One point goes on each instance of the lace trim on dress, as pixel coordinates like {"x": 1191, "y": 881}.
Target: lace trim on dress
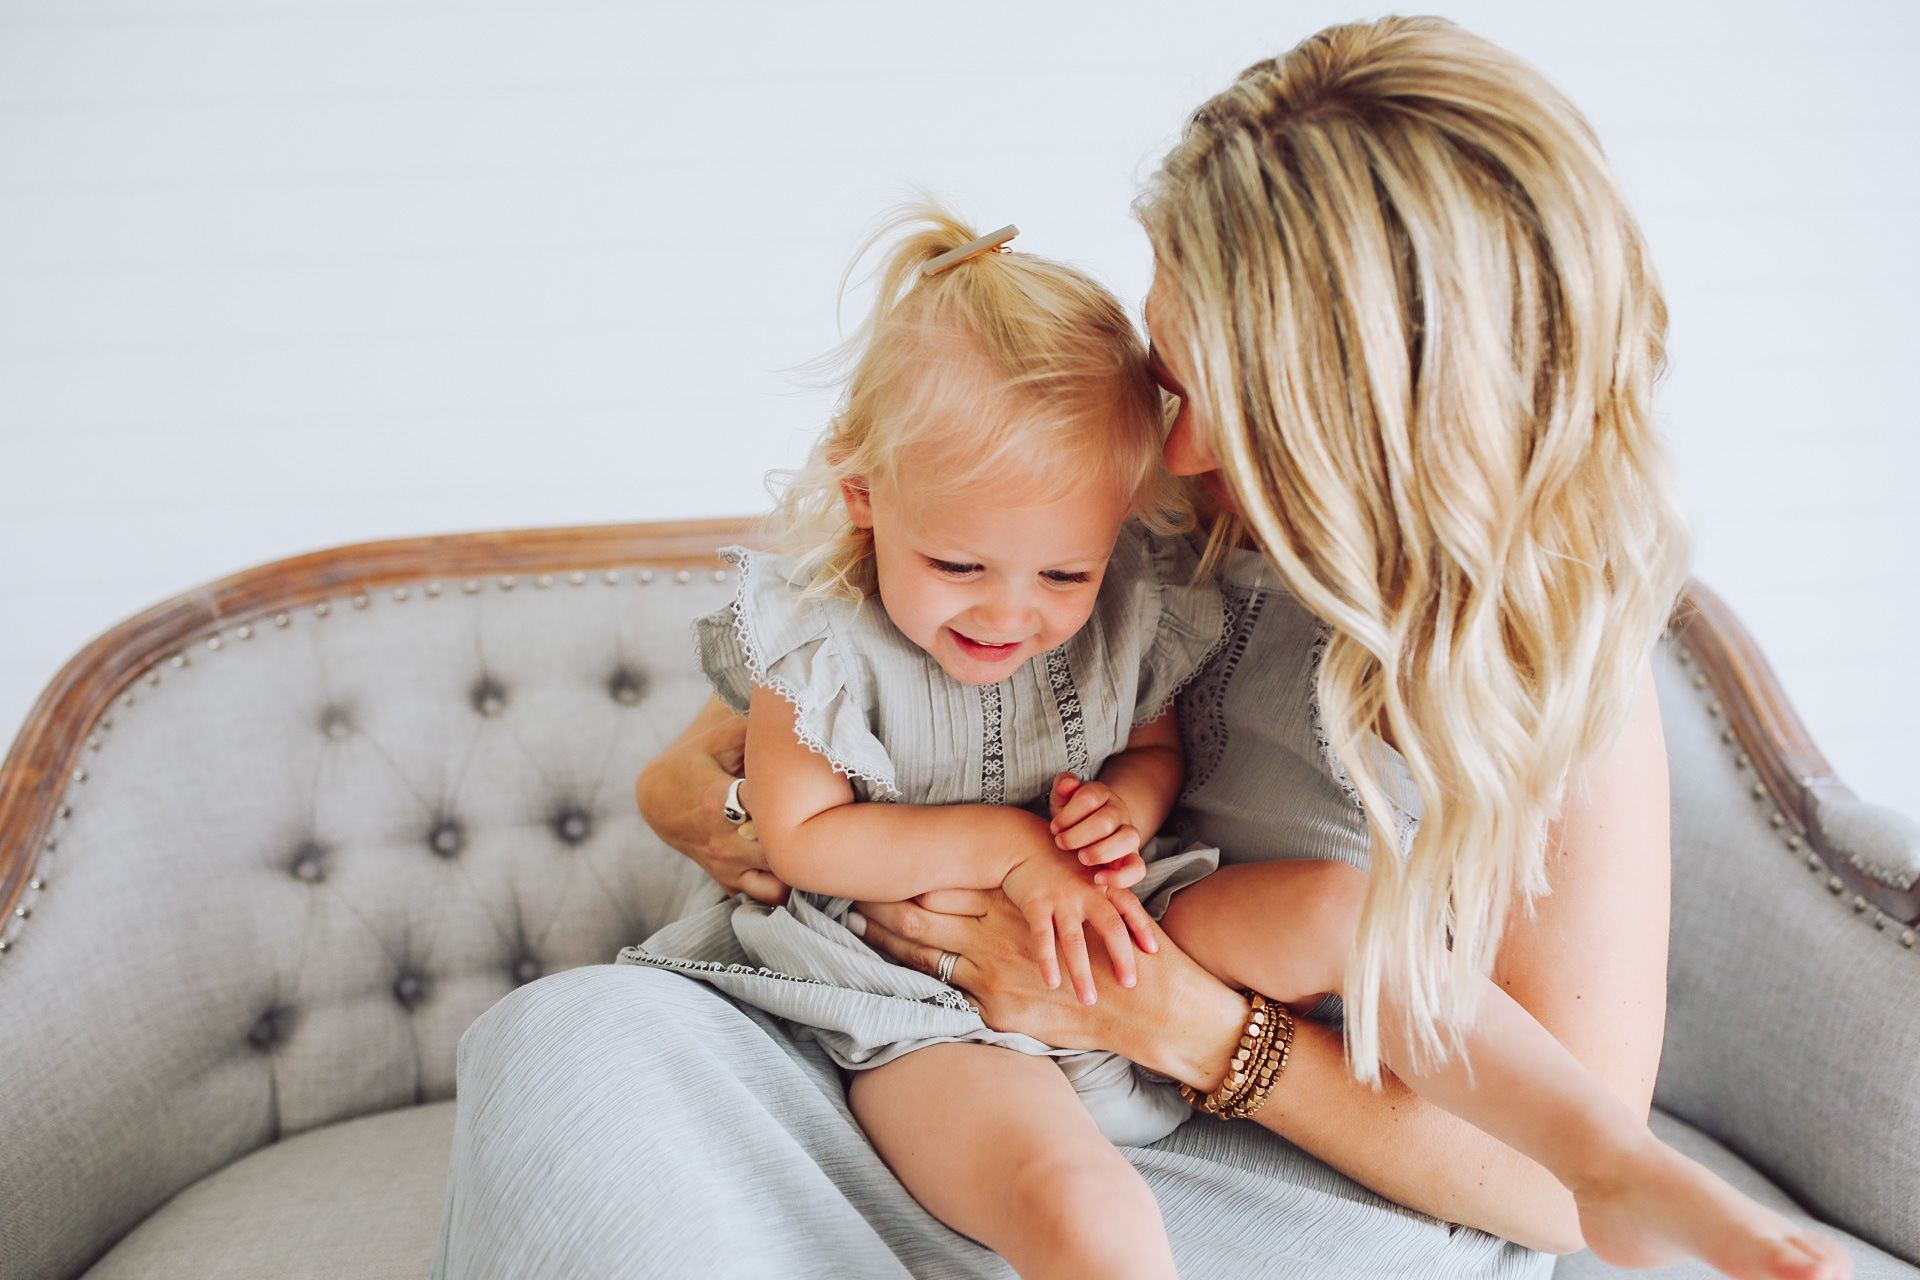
{"x": 993, "y": 748}
{"x": 1228, "y": 619}
{"x": 1203, "y": 720}
{"x": 1073, "y": 722}
{"x": 948, "y": 999}
{"x": 757, "y": 668}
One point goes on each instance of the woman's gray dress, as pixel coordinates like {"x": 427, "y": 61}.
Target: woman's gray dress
{"x": 621, "y": 1121}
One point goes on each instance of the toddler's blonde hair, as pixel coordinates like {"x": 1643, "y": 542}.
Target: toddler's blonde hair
{"x": 1067, "y": 395}
{"x": 1425, "y": 330}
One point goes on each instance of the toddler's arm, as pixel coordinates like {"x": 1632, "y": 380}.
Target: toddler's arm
{"x": 818, "y": 839}
{"x": 1107, "y": 820}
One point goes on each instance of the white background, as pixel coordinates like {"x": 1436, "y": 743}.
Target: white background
{"x": 281, "y": 274}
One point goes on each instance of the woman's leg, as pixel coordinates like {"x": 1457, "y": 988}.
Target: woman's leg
{"x": 997, "y": 1146}
{"x": 1641, "y": 1203}
{"x": 617, "y": 1121}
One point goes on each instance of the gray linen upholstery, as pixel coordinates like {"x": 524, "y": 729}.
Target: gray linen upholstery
{"x": 358, "y": 1200}
{"x": 1793, "y": 1027}
{"x": 300, "y": 864}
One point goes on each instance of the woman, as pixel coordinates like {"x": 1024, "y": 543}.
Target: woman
{"x": 1413, "y": 330}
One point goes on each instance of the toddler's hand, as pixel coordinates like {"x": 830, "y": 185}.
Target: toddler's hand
{"x": 1060, "y": 901}
{"x": 1092, "y": 819}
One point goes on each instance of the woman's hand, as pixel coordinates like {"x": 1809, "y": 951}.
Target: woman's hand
{"x": 680, "y": 794}
{"x": 1178, "y": 1020}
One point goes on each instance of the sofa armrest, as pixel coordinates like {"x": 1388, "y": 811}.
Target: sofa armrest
{"x": 1793, "y": 1027}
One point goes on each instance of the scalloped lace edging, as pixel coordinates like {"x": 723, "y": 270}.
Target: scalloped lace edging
{"x": 948, "y": 999}
{"x": 1227, "y": 624}
{"x": 757, "y": 668}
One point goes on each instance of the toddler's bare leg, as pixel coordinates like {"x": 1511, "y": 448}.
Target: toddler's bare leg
{"x": 1285, "y": 928}
{"x": 996, "y": 1145}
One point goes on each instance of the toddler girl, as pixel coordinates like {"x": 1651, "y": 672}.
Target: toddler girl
{"x": 978, "y": 616}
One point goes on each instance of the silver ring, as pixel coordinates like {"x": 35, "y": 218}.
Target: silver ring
{"x": 945, "y": 971}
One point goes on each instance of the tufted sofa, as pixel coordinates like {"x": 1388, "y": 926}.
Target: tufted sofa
{"x": 267, "y": 849}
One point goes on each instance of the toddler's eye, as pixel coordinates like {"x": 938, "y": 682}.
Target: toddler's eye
{"x": 952, "y": 569}
{"x": 1060, "y": 577}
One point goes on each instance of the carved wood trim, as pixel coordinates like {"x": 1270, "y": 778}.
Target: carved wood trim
{"x": 52, "y": 743}
{"x": 1791, "y": 772}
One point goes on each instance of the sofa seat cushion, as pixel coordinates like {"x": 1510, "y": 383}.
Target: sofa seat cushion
{"x": 358, "y": 1200}
{"x": 1869, "y": 1263}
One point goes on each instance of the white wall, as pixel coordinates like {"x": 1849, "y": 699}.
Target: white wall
{"x": 279, "y": 274}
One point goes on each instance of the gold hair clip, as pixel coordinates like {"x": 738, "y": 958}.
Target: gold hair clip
{"x": 991, "y": 242}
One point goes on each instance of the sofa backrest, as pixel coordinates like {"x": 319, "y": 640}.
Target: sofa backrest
{"x": 301, "y": 855}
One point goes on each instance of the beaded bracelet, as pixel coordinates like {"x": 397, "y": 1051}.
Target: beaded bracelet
{"x": 1257, "y": 1062}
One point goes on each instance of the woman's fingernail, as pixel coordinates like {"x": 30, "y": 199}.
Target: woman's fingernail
{"x": 1128, "y": 981}
{"x": 857, "y": 923}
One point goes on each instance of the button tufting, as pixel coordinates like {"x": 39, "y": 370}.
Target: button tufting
{"x": 270, "y": 1028}
{"x": 447, "y": 838}
{"x": 525, "y": 970}
{"x": 488, "y": 696}
{"x": 308, "y": 863}
{"x": 572, "y": 825}
{"x": 410, "y": 989}
{"x": 627, "y": 686}
{"x": 335, "y": 723}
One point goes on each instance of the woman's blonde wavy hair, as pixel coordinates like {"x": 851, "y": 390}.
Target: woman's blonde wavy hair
{"x": 1424, "y": 329}
{"x": 1008, "y": 368}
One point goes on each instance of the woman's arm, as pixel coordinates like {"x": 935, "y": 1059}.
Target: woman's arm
{"x": 1588, "y": 961}
{"x": 680, "y": 793}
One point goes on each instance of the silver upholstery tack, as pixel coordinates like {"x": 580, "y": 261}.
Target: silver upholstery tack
{"x": 544, "y": 581}
{"x": 213, "y": 642}
{"x": 577, "y": 579}
{"x": 360, "y": 601}
{"x": 1859, "y": 903}
{"x": 1683, "y": 655}
{"x": 401, "y": 593}
{"x": 1759, "y": 791}
{"x": 683, "y": 576}
{"x": 1777, "y": 819}
{"x": 178, "y": 660}
{"x": 719, "y": 575}
{"x": 645, "y": 576}
{"x": 433, "y": 589}
{"x": 1700, "y": 681}
{"x": 153, "y": 676}
{"x": 79, "y": 775}
{"x": 470, "y": 586}
{"x": 244, "y": 632}
{"x": 612, "y": 577}
{"x": 1714, "y": 708}
{"x": 1835, "y": 884}
{"x": 507, "y": 583}
{"x": 322, "y": 609}
{"x": 281, "y": 620}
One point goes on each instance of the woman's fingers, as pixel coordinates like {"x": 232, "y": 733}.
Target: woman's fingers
{"x": 914, "y": 955}
{"x": 1124, "y": 874}
{"x": 1118, "y": 843}
{"x": 761, "y": 885}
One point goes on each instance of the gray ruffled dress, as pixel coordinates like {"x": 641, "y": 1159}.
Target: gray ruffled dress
{"x": 882, "y": 711}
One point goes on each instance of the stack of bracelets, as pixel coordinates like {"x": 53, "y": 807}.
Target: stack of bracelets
{"x": 1257, "y": 1062}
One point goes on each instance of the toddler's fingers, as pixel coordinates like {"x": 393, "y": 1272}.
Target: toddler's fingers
{"x": 1073, "y": 946}
{"x": 1043, "y": 951}
{"x": 1088, "y": 798}
{"x": 1124, "y": 874}
{"x": 1117, "y": 844}
{"x": 1064, "y": 785}
{"x": 1104, "y": 822}
{"x": 1113, "y": 931}
{"x": 1139, "y": 921}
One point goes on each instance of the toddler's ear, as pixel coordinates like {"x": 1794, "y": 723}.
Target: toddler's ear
{"x": 859, "y": 501}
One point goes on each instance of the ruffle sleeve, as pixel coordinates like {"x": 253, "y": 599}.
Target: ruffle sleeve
{"x": 1191, "y": 626}
{"x": 770, "y": 635}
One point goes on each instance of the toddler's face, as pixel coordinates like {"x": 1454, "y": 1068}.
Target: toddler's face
{"x": 982, "y": 581}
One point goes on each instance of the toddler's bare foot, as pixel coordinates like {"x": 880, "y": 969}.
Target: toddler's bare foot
{"x": 1659, "y": 1208}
